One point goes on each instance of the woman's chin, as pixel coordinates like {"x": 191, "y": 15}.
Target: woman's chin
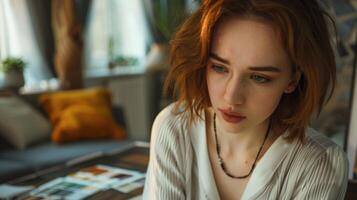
{"x": 233, "y": 127}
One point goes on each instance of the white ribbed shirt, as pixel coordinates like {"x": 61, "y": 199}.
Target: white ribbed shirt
{"x": 179, "y": 166}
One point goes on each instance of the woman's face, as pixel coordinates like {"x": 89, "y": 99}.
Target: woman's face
{"x": 247, "y": 73}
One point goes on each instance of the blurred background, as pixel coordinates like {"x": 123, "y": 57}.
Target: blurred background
{"x": 123, "y": 45}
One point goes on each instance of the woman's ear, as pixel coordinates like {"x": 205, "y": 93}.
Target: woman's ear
{"x": 293, "y": 83}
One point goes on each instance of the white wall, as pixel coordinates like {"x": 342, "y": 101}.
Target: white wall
{"x": 138, "y": 94}
{"x": 131, "y": 94}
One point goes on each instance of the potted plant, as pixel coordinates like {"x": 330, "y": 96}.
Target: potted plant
{"x": 13, "y": 68}
{"x": 165, "y": 16}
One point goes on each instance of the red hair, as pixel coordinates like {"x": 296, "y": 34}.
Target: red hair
{"x": 303, "y": 28}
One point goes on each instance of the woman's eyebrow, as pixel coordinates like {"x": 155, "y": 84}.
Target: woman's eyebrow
{"x": 216, "y": 57}
{"x": 265, "y": 68}
{"x": 253, "y": 68}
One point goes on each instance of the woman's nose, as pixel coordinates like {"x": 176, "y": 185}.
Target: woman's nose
{"x": 235, "y": 91}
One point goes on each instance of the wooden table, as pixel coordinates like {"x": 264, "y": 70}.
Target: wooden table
{"x": 135, "y": 157}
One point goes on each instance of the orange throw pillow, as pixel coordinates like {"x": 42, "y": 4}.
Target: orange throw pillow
{"x": 81, "y": 114}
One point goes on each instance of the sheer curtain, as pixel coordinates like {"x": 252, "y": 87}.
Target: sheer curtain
{"x": 17, "y": 38}
{"x": 116, "y": 28}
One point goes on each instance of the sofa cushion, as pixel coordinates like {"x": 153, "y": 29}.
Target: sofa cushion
{"x": 81, "y": 114}
{"x": 20, "y": 124}
{"x": 10, "y": 169}
{"x": 49, "y": 154}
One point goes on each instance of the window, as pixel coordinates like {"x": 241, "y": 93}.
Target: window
{"x": 18, "y": 39}
{"x": 115, "y": 28}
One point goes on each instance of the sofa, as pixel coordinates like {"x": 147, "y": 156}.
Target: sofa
{"x": 32, "y": 160}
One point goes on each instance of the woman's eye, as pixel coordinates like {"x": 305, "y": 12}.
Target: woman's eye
{"x": 219, "y": 69}
{"x": 260, "y": 79}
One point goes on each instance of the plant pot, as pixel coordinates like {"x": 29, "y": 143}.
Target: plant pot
{"x": 14, "y": 79}
{"x": 158, "y": 57}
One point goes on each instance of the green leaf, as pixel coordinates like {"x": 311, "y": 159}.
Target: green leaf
{"x": 12, "y": 63}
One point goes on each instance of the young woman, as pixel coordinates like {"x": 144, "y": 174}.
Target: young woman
{"x": 248, "y": 74}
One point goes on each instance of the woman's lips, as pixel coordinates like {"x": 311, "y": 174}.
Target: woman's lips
{"x": 231, "y": 117}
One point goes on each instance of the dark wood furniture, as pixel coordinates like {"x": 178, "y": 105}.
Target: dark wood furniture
{"x": 134, "y": 157}
{"x": 351, "y": 190}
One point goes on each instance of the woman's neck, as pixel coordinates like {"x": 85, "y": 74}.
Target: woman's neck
{"x": 246, "y": 142}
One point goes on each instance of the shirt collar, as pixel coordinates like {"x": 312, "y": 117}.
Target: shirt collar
{"x": 259, "y": 178}
{"x": 204, "y": 168}
{"x": 267, "y": 166}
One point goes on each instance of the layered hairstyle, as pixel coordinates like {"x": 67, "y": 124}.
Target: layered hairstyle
{"x": 303, "y": 27}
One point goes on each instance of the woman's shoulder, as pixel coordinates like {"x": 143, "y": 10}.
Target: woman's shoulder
{"x": 319, "y": 143}
{"x": 169, "y": 125}
{"x": 170, "y": 116}
{"x": 318, "y": 148}
{"x": 317, "y": 168}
